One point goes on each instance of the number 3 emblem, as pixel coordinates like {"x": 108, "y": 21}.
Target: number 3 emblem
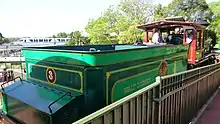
{"x": 51, "y": 75}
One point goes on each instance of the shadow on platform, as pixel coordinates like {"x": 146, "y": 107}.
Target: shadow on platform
{"x": 211, "y": 114}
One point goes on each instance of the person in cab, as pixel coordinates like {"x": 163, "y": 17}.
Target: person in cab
{"x": 157, "y": 38}
{"x": 189, "y": 37}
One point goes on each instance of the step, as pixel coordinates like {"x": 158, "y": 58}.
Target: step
{"x": 30, "y": 102}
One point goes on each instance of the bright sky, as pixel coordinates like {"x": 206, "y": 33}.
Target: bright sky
{"x": 26, "y": 18}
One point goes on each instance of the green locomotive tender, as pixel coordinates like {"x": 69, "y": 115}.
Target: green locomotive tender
{"x": 66, "y": 83}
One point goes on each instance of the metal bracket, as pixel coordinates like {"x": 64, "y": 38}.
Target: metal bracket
{"x": 11, "y": 80}
{"x": 58, "y": 100}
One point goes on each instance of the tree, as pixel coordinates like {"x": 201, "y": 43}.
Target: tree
{"x": 159, "y": 12}
{"x": 78, "y": 39}
{"x": 101, "y": 30}
{"x": 3, "y": 39}
{"x": 190, "y": 9}
{"x": 61, "y": 35}
{"x": 117, "y": 23}
{"x": 134, "y": 12}
{"x": 1, "y": 36}
{"x": 215, "y": 24}
{"x": 85, "y": 40}
{"x": 139, "y": 11}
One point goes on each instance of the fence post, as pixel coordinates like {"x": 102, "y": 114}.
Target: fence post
{"x": 157, "y": 114}
{"x": 21, "y": 70}
{"x": 197, "y": 91}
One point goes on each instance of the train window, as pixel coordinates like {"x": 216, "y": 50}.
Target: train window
{"x": 40, "y": 40}
{"x": 45, "y": 40}
{"x": 50, "y": 40}
{"x": 176, "y": 40}
{"x": 202, "y": 39}
{"x": 189, "y": 33}
{"x": 35, "y": 40}
{"x": 58, "y": 40}
{"x": 198, "y": 40}
{"x": 31, "y": 40}
{"x": 62, "y": 40}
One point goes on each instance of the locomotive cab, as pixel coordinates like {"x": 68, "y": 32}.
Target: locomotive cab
{"x": 175, "y": 32}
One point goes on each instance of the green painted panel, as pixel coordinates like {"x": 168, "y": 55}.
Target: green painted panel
{"x": 126, "y": 86}
{"x": 72, "y": 78}
{"x": 4, "y": 101}
{"x": 99, "y": 58}
{"x": 139, "y": 54}
{"x": 124, "y": 81}
{"x": 181, "y": 65}
{"x": 67, "y": 58}
{"x": 171, "y": 68}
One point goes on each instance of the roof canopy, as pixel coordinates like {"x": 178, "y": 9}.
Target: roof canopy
{"x": 176, "y": 18}
{"x": 170, "y": 24}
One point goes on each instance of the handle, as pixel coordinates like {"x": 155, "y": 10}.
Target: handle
{"x": 92, "y": 49}
{"x": 10, "y": 80}
{"x": 57, "y": 100}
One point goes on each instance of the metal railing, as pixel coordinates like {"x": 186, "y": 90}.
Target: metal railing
{"x": 172, "y": 99}
{"x": 6, "y": 75}
{"x": 7, "y": 83}
{"x": 136, "y": 107}
{"x": 183, "y": 94}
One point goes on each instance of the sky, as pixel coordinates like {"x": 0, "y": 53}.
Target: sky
{"x": 43, "y": 18}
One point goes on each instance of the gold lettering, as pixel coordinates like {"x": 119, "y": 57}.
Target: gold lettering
{"x": 137, "y": 85}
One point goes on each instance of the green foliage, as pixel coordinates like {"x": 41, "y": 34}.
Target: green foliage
{"x": 3, "y": 39}
{"x": 215, "y": 24}
{"x": 118, "y": 23}
{"x": 215, "y": 7}
{"x": 159, "y": 12}
{"x": 190, "y": 9}
{"x": 130, "y": 35}
{"x": 77, "y": 39}
{"x": 13, "y": 39}
{"x": 207, "y": 44}
{"x": 137, "y": 11}
{"x": 102, "y": 29}
{"x": 61, "y": 35}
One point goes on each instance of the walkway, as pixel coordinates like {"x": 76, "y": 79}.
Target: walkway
{"x": 211, "y": 115}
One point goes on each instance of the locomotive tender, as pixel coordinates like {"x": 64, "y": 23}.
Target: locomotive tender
{"x": 66, "y": 83}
